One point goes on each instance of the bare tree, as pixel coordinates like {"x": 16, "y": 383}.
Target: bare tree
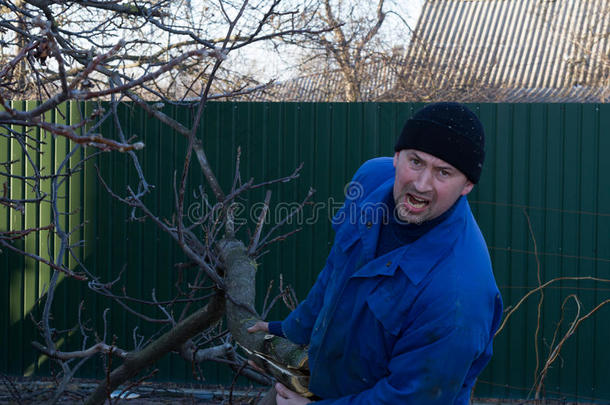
{"x": 171, "y": 53}
{"x": 348, "y": 43}
{"x": 357, "y": 41}
{"x": 355, "y": 61}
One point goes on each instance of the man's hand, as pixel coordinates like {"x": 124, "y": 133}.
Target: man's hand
{"x": 259, "y": 327}
{"x": 287, "y": 397}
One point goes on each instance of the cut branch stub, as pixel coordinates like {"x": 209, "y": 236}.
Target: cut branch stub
{"x": 284, "y": 360}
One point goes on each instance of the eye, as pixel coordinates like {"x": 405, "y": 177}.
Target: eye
{"x": 444, "y": 173}
{"x": 415, "y": 162}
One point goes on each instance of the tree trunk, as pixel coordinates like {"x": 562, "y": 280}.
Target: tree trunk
{"x": 286, "y": 361}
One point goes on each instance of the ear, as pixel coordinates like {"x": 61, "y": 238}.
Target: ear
{"x": 467, "y": 187}
{"x": 396, "y": 154}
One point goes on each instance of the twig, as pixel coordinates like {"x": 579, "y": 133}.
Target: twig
{"x": 207, "y": 171}
{"x": 146, "y": 78}
{"x": 571, "y": 330}
{"x": 237, "y": 176}
{"x": 23, "y": 233}
{"x": 541, "y": 300}
{"x": 279, "y": 238}
{"x": 67, "y": 272}
{"x": 155, "y": 303}
{"x": 259, "y": 225}
{"x": 267, "y": 294}
{"x": 162, "y": 309}
{"x": 295, "y": 175}
{"x": 97, "y": 348}
{"x": 299, "y": 208}
{"x": 237, "y": 374}
{"x": 533, "y": 291}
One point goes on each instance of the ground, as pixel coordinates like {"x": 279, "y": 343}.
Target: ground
{"x": 22, "y": 391}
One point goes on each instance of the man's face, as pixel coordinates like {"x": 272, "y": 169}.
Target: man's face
{"x": 425, "y": 186}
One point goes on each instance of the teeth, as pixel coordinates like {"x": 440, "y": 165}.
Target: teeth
{"x": 416, "y": 202}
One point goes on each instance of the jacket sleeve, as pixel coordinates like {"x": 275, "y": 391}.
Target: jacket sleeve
{"x": 434, "y": 363}
{"x": 298, "y": 325}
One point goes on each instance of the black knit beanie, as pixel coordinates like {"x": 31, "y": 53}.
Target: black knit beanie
{"x": 449, "y": 131}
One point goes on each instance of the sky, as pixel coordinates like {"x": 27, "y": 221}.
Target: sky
{"x": 274, "y": 66}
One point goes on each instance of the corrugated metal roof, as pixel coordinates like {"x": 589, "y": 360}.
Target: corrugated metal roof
{"x": 485, "y": 50}
{"x": 512, "y": 44}
{"x": 577, "y": 94}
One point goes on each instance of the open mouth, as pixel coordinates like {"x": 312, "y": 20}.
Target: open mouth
{"x": 415, "y": 202}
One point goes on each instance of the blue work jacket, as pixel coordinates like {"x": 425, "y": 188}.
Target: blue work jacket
{"x": 414, "y": 326}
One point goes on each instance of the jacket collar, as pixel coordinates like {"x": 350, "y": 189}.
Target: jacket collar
{"x": 363, "y": 220}
{"x": 415, "y": 259}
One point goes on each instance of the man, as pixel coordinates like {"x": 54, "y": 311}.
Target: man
{"x": 405, "y": 310}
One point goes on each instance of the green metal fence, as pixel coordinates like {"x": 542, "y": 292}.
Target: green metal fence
{"x": 543, "y": 203}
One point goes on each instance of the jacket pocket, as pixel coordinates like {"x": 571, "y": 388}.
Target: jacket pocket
{"x": 390, "y": 301}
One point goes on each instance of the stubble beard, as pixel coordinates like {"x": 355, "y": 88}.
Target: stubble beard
{"x": 403, "y": 214}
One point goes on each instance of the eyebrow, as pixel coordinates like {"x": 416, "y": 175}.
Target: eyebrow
{"x": 416, "y": 155}
{"x": 449, "y": 167}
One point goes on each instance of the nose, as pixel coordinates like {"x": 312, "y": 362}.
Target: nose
{"x": 423, "y": 182}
